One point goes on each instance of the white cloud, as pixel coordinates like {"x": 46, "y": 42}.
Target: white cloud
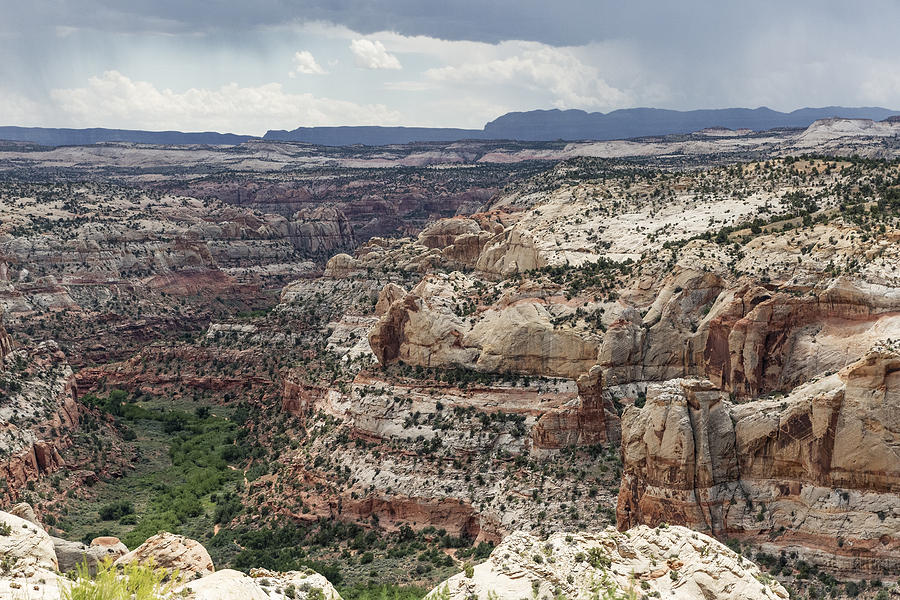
{"x": 514, "y": 71}
{"x": 16, "y": 109}
{"x": 373, "y": 55}
{"x": 305, "y": 64}
{"x": 571, "y": 82}
{"x": 409, "y": 86}
{"x": 114, "y": 100}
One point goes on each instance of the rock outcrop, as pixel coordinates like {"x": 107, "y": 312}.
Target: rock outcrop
{"x": 667, "y": 562}
{"x": 171, "y": 551}
{"x": 28, "y": 559}
{"x": 321, "y": 229}
{"x": 428, "y": 327}
{"x": 70, "y": 554}
{"x": 585, "y": 421}
{"x": 30, "y": 568}
{"x": 512, "y": 252}
{"x": 261, "y": 584}
{"x": 748, "y": 338}
{"x": 815, "y": 472}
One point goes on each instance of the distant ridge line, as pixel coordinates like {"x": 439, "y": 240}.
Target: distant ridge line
{"x": 531, "y": 126}
{"x": 48, "y": 136}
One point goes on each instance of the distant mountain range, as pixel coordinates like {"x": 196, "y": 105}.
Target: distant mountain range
{"x": 48, "y": 136}
{"x": 535, "y": 125}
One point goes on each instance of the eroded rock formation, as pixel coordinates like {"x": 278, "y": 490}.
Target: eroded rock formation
{"x": 748, "y": 338}
{"x": 816, "y": 472}
{"x": 585, "y": 421}
{"x": 428, "y": 327}
{"x": 30, "y": 568}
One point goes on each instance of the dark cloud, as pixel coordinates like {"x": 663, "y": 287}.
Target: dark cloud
{"x": 671, "y": 54}
{"x": 573, "y": 22}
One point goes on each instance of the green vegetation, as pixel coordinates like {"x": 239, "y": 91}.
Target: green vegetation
{"x": 382, "y": 591}
{"x": 602, "y": 274}
{"x": 183, "y": 465}
{"x": 343, "y": 552}
{"x": 134, "y": 582}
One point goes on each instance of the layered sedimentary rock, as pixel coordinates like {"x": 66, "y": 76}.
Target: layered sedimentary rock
{"x": 428, "y": 327}
{"x": 670, "y": 562}
{"x": 816, "y": 472}
{"x": 584, "y": 421}
{"x": 321, "y": 229}
{"x": 748, "y": 338}
{"x": 442, "y": 428}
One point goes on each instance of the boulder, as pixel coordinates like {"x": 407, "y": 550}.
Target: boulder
{"x": 25, "y": 511}
{"x": 70, "y": 554}
{"x": 110, "y": 544}
{"x": 172, "y": 551}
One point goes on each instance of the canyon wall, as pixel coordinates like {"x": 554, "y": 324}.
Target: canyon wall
{"x": 815, "y": 472}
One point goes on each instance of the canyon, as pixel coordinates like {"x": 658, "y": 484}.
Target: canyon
{"x": 419, "y": 360}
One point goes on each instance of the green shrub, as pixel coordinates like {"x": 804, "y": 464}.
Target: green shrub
{"x": 598, "y": 558}
{"x": 374, "y": 591}
{"x": 136, "y": 582}
{"x": 116, "y": 510}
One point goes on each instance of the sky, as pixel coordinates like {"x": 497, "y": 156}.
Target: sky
{"x": 246, "y": 66}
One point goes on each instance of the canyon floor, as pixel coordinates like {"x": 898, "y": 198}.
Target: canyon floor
{"x": 460, "y": 367}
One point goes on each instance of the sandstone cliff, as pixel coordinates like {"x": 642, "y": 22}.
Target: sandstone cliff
{"x": 814, "y": 472}
{"x": 436, "y": 325}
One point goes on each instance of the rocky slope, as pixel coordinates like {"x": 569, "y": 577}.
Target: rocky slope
{"x": 429, "y": 393}
{"x": 103, "y": 269}
{"x": 782, "y": 292}
{"x": 667, "y": 562}
{"x": 38, "y": 414}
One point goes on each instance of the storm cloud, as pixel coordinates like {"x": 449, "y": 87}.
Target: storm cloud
{"x": 77, "y": 63}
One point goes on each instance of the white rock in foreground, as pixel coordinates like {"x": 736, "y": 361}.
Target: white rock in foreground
{"x": 674, "y": 561}
{"x": 261, "y": 584}
{"x": 28, "y": 560}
